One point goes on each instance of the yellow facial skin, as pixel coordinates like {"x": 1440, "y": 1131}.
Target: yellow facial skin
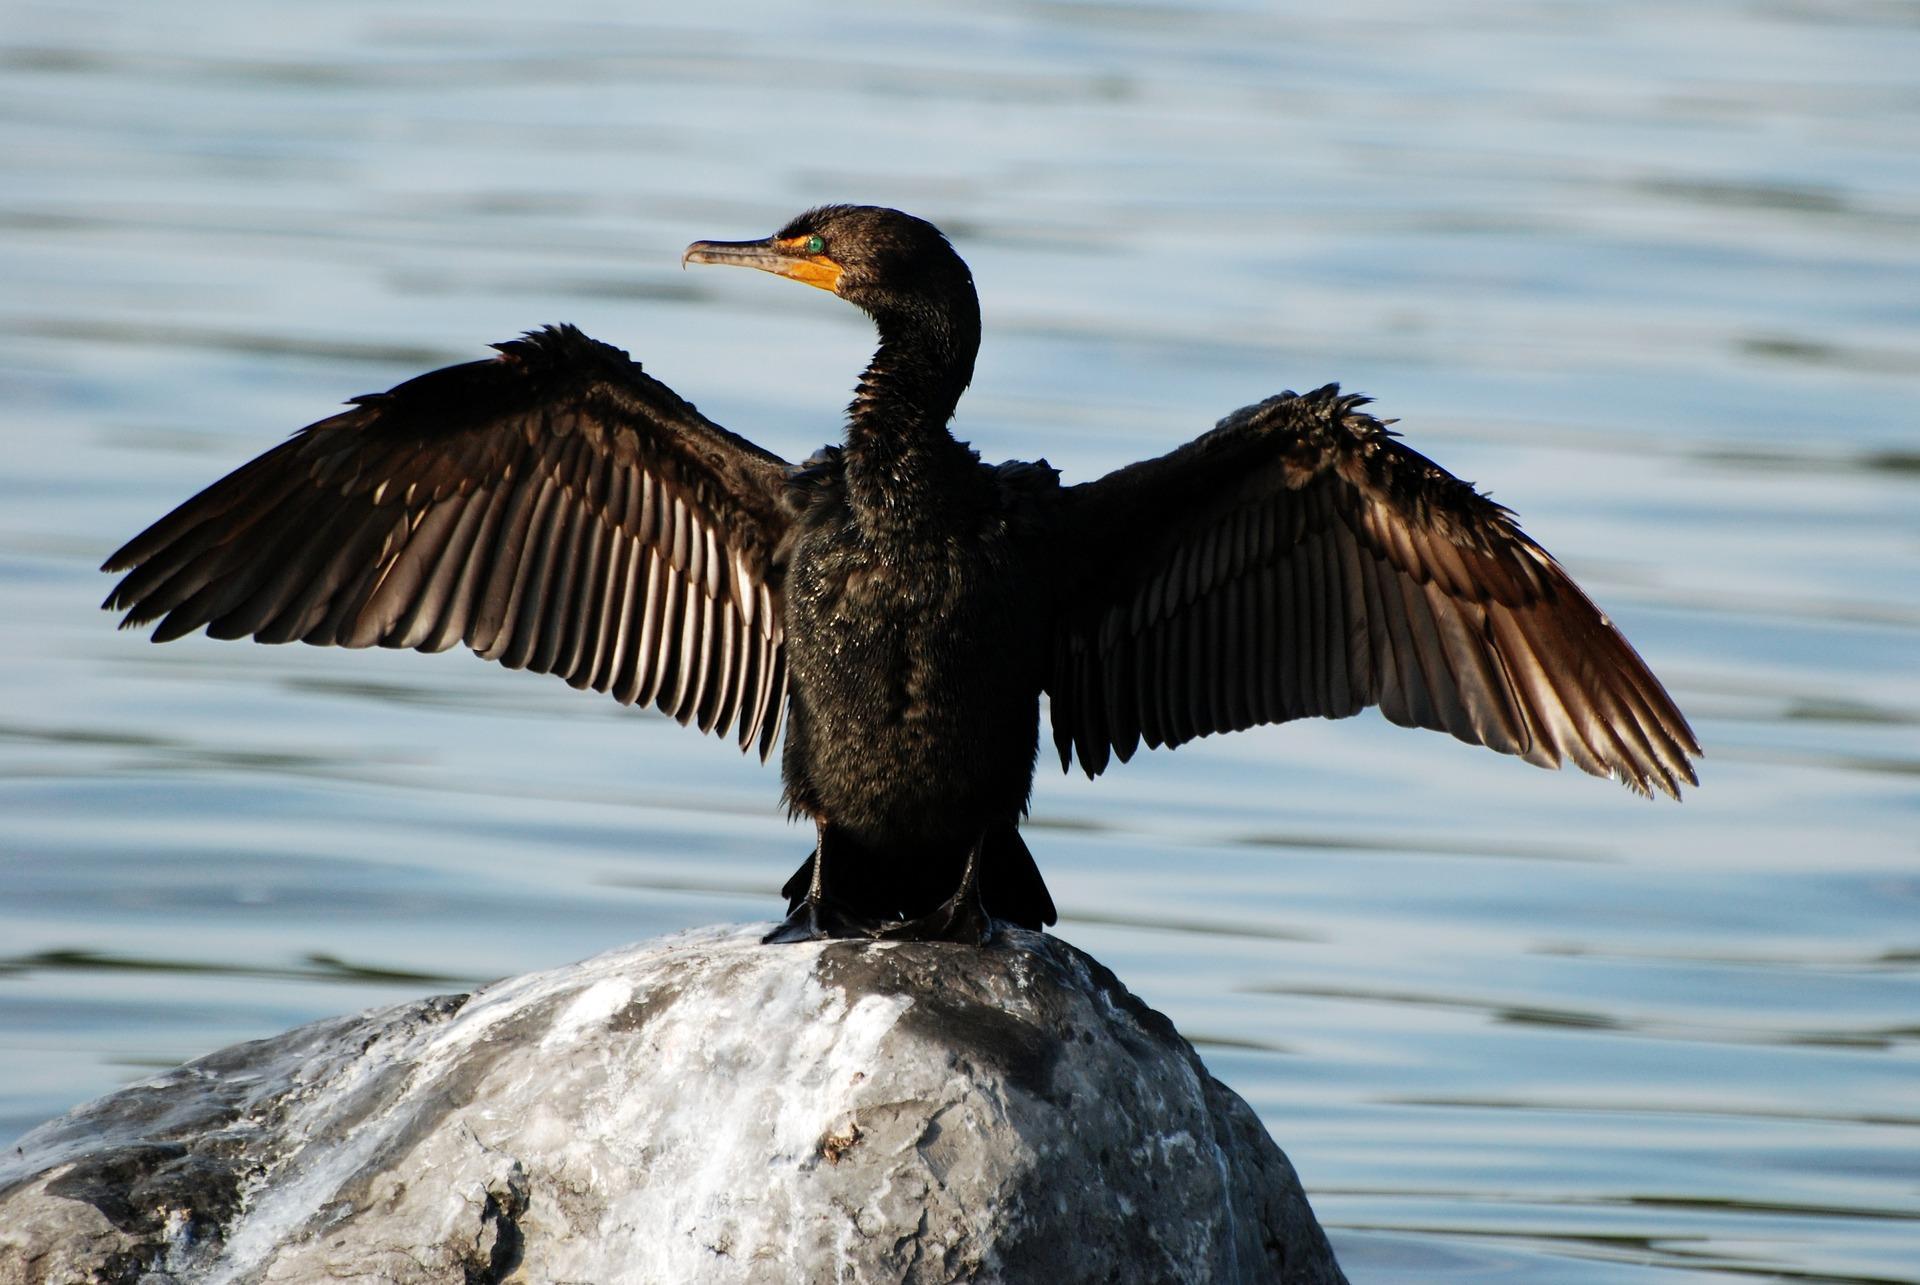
{"x": 785, "y": 257}
{"x": 811, "y": 269}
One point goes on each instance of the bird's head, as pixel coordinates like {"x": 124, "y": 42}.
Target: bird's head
{"x": 891, "y": 265}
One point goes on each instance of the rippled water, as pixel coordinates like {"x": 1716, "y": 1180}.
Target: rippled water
{"x": 1651, "y": 273}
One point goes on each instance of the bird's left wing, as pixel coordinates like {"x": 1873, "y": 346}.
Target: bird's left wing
{"x": 1299, "y": 561}
{"x": 555, "y": 509}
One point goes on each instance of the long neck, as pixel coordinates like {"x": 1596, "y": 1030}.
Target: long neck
{"x": 898, "y": 448}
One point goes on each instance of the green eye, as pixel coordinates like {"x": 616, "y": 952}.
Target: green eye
{"x": 815, "y": 245}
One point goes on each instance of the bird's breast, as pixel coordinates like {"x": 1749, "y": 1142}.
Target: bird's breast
{"x": 886, "y": 619}
{"x": 915, "y": 672}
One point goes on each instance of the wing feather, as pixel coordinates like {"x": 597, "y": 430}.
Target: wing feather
{"x": 459, "y": 578}
{"x": 554, "y": 508}
{"x": 1298, "y": 560}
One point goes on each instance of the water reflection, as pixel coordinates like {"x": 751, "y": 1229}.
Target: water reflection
{"x": 313, "y": 967}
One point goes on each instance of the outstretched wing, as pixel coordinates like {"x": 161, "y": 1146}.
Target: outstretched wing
{"x": 1299, "y": 561}
{"x": 554, "y": 509}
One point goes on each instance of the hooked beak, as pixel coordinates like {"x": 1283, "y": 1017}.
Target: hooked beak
{"x": 784, "y": 258}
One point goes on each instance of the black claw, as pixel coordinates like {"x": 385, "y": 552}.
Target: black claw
{"x": 801, "y": 925}
{"x": 817, "y": 916}
{"x": 823, "y": 920}
{"x": 961, "y": 918}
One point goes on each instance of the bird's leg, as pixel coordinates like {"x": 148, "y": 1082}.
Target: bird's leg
{"x": 962, "y": 917}
{"x": 818, "y": 917}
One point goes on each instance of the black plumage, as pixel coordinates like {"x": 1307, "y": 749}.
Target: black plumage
{"x": 902, "y": 605}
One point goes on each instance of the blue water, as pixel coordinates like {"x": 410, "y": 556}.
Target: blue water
{"x": 1650, "y": 273}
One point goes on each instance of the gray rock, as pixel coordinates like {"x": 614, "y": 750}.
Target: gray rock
{"x": 697, "y": 1109}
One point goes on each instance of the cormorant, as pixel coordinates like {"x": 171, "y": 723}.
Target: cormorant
{"x": 902, "y": 604}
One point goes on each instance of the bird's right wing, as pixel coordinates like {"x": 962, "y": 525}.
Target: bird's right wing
{"x": 1299, "y": 561}
{"x": 555, "y": 509}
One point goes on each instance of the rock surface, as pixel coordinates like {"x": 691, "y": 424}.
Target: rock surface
{"x": 696, "y": 1109}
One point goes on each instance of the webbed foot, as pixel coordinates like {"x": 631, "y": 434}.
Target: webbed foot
{"x": 816, "y": 916}
{"x": 960, "y": 918}
{"x": 824, "y": 920}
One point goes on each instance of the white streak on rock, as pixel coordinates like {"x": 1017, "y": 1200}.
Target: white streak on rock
{"x": 595, "y": 1005}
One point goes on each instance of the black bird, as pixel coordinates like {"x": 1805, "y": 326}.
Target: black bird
{"x": 904, "y": 605}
